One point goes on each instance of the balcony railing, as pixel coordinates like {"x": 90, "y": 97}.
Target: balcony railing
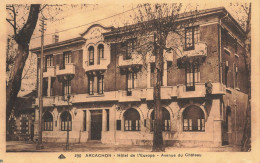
{"x": 102, "y": 66}
{"x": 200, "y": 90}
{"x": 50, "y": 72}
{"x": 166, "y": 57}
{"x": 69, "y": 69}
{"x": 136, "y": 59}
{"x": 200, "y": 49}
{"x": 167, "y": 93}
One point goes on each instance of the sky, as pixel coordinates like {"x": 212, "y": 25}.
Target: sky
{"x": 103, "y": 14}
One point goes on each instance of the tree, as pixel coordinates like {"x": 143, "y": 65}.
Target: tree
{"x": 18, "y": 43}
{"x": 246, "y": 141}
{"x": 22, "y": 37}
{"x": 153, "y": 23}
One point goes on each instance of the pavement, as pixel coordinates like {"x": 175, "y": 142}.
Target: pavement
{"x": 23, "y": 146}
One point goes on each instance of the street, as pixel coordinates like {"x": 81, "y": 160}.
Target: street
{"x": 22, "y": 146}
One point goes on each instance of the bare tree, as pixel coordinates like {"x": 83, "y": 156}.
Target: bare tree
{"x": 22, "y": 36}
{"x": 153, "y": 24}
{"x": 246, "y": 141}
{"x": 23, "y": 20}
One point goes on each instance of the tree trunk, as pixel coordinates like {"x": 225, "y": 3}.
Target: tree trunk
{"x": 23, "y": 40}
{"x": 246, "y": 140}
{"x": 158, "y": 145}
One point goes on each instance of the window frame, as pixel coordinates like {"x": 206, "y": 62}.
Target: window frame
{"x": 192, "y": 35}
{"x": 192, "y": 76}
{"x": 131, "y": 82}
{"x": 47, "y": 125}
{"x": 64, "y": 124}
{"x": 91, "y": 84}
{"x": 91, "y": 56}
{"x": 130, "y": 46}
{"x": 49, "y": 60}
{"x": 100, "y": 53}
{"x": 188, "y": 122}
{"x": 66, "y": 86}
{"x": 130, "y": 123}
{"x": 166, "y": 127}
{"x": 100, "y": 80}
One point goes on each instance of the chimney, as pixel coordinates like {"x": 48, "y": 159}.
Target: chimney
{"x": 55, "y": 37}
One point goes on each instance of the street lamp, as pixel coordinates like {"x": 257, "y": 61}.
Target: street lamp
{"x": 68, "y": 135}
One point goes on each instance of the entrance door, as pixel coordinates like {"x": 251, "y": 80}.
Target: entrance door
{"x": 96, "y": 124}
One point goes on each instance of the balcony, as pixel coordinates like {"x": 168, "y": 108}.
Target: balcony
{"x": 107, "y": 96}
{"x": 146, "y": 94}
{"x": 166, "y": 57}
{"x": 134, "y": 95}
{"x": 97, "y": 67}
{"x": 47, "y": 101}
{"x": 69, "y": 69}
{"x": 200, "y": 90}
{"x": 135, "y": 60}
{"x": 50, "y": 72}
{"x": 198, "y": 54}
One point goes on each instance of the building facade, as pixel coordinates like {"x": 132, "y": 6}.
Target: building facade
{"x": 20, "y": 124}
{"x": 110, "y": 86}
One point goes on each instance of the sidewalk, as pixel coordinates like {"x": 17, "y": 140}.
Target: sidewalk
{"x": 21, "y": 146}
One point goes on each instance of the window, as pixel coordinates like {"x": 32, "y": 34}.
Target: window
{"x": 45, "y": 87}
{"x": 66, "y": 123}
{"x": 84, "y": 120}
{"x": 226, "y": 73}
{"x": 165, "y": 120}
{"x": 193, "y": 119}
{"x": 67, "y": 57}
{"x": 100, "y": 52}
{"x": 101, "y": 84}
{"x": 49, "y": 60}
{"x": 107, "y": 111}
{"x": 91, "y": 84}
{"x": 236, "y": 77}
{"x": 91, "y": 55}
{"x": 192, "y": 35}
{"x": 47, "y": 121}
{"x": 52, "y": 88}
{"x": 130, "y": 46}
{"x": 66, "y": 87}
{"x": 131, "y": 82}
{"x": 132, "y": 120}
{"x": 192, "y": 77}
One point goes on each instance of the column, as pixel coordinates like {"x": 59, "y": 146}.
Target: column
{"x": 88, "y": 123}
{"x": 104, "y": 121}
{"x": 95, "y": 84}
{"x": 148, "y": 75}
{"x": 165, "y": 73}
{"x": 49, "y": 86}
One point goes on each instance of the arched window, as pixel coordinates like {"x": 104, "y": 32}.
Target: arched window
{"x": 66, "y": 122}
{"x": 165, "y": 120}
{"x": 47, "y": 121}
{"x": 100, "y": 52}
{"x": 91, "y": 55}
{"x": 132, "y": 120}
{"x": 193, "y": 119}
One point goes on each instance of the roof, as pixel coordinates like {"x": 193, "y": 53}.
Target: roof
{"x": 25, "y": 103}
{"x": 97, "y": 25}
{"x": 124, "y": 29}
{"x": 59, "y": 44}
{"x": 182, "y": 16}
